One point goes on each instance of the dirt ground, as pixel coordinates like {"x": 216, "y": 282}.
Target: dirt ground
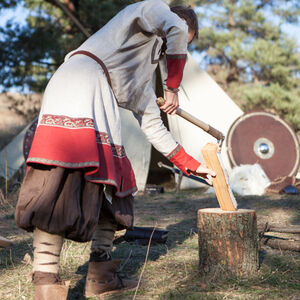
{"x": 171, "y": 271}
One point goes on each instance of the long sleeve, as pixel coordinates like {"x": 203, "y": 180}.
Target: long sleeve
{"x": 183, "y": 161}
{"x": 130, "y": 47}
{"x": 157, "y": 18}
{"x": 158, "y": 135}
{"x": 153, "y": 127}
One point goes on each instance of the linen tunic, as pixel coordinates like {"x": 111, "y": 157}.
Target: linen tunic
{"x": 79, "y": 123}
{"x": 130, "y": 46}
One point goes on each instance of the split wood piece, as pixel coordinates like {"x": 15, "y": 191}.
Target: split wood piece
{"x": 4, "y": 242}
{"x": 224, "y": 194}
{"x": 276, "y": 228}
{"x": 280, "y": 243}
{"x": 228, "y": 242}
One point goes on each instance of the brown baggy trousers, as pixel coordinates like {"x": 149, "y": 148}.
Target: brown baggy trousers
{"x": 60, "y": 201}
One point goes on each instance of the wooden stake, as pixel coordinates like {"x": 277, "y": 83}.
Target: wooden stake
{"x": 224, "y": 194}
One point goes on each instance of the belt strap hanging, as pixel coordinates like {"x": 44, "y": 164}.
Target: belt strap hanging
{"x": 98, "y": 60}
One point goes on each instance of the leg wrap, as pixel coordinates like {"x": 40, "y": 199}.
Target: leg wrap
{"x": 46, "y": 253}
{"x": 104, "y": 235}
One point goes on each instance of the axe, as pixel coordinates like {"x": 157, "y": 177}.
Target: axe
{"x": 211, "y": 154}
{"x": 209, "y": 129}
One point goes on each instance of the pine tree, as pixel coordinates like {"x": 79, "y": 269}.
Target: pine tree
{"x": 247, "y": 52}
{"x": 29, "y": 54}
{"x": 249, "y": 55}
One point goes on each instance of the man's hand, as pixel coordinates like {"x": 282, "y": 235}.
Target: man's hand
{"x": 205, "y": 173}
{"x": 171, "y": 104}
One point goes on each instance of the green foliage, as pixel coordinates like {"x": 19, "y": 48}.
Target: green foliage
{"x": 247, "y": 52}
{"x": 250, "y": 56}
{"x": 7, "y": 3}
{"x": 29, "y": 54}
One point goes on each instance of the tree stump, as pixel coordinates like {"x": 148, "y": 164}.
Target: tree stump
{"x": 228, "y": 242}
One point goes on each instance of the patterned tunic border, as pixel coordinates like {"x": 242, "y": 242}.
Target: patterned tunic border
{"x": 78, "y": 123}
{"x": 64, "y": 121}
{"x": 176, "y": 56}
{"x": 174, "y": 152}
{"x": 117, "y": 150}
{"x": 61, "y": 163}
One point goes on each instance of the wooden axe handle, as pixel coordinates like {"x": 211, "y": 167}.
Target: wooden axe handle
{"x": 182, "y": 113}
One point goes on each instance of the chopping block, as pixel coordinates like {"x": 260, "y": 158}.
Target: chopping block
{"x": 228, "y": 239}
{"x": 227, "y": 236}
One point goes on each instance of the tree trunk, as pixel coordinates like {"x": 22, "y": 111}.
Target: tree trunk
{"x": 228, "y": 242}
{"x": 278, "y": 228}
{"x": 281, "y": 244}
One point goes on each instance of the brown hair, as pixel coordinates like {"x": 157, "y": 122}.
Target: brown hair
{"x": 188, "y": 14}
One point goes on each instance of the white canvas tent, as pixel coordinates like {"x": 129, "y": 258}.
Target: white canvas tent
{"x": 11, "y": 156}
{"x": 199, "y": 95}
{"x": 202, "y": 97}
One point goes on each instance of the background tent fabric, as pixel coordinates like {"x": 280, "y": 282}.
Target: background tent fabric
{"x": 199, "y": 94}
{"x": 137, "y": 148}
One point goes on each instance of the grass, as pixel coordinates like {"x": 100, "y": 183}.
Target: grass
{"x": 172, "y": 268}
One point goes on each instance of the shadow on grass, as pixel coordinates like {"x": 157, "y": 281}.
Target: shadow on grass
{"x": 77, "y": 292}
{"x": 180, "y": 231}
{"x": 12, "y": 256}
{"x": 279, "y": 279}
{"x": 270, "y": 209}
{"x": 179, "y": 212}
{"x": 177, "y": 234}
{"x": 265, "y": 205}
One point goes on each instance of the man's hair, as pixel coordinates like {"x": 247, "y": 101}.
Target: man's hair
{"x": 188, "y": 14}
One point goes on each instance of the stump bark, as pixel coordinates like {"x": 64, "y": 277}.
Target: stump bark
{"x": 228, "y": 242}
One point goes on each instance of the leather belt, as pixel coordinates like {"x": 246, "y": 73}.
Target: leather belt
{"x": 98, "y": 60}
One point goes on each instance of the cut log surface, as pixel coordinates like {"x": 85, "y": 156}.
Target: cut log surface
{"x": 220, "y": 182}
{"x": 228, "y": 241}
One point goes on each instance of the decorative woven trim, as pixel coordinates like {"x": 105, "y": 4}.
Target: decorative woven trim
{"x": 61, "y": 163}
{"x": 174, "y": 152}
{"x": 176, "y": 56}
{"x": 117, "y": 150}
{"x": 172, "y": 90}
{"x": 79, "y": 123}
{"x": 64, "y": 121}
{"x": 98, "y": 60}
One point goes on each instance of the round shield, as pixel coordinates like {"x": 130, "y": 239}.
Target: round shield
{"x": 264, "y": 138}
{"x": 28, "y": 138}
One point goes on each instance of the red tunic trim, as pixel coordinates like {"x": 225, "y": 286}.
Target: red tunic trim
{"x": 73, "y": 143}
{"x": 175, "y": 66}
{"x": 183, "y": 161}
